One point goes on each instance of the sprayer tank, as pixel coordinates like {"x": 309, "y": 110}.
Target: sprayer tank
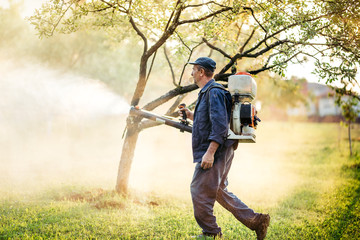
{"x": 242, "y": 84}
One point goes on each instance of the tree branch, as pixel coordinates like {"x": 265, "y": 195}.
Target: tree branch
{"x": 151, "y": 66}
{"x": 171, "y": 16}
{"x": 225, "y": 9}
{"x": 61, "y": 17}
{"x": 190, "y": 54}
{"x": 252, "y": 13}
{"x": 182, "y": 41}
{"x": 215, "y": 48}
{"x": 343, "y": 91}
{"x": 246, "y": 54}
{"x": 121, "y": 8}
{"x": 139, "y": 33}
{"x": 222, "y": 76}
{"x": 148, "y": 124}
{"x": 99, "y": 10}
{"x": 247, "y": 41}
{"x": 169, "y": 95}
{"x": 188, "y": 60}
{"x": 203, "y": 4}
{"x": 175, "y": 105}
{"x": 169, "y": 31}
{"x": 170, "y": 66}
{"x": 282, "y": 30}
{"x": 264, "y": 68}
{"x": 261, "y": 52}
{"x": 239, "y": 28}
{"x": 111, "y": 5}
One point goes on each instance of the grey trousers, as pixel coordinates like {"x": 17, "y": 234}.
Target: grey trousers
{"x": 210, "y": 185}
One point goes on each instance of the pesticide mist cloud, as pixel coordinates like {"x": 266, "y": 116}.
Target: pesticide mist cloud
{"x": 56, "y": 128}
{"x": 32, "y": 92}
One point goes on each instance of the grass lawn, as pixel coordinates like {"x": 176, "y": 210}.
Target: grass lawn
{"x": 300, "y": 173}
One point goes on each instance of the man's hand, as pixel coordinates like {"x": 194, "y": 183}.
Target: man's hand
{"x": 208, "y": 158}
{"x": 207, "y": 161}
{"x": 188, "y": 113}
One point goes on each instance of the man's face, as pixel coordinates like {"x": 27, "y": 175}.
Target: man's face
{"x": 196, "y": 74}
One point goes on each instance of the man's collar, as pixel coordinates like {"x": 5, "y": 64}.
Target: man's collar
{"x": 207, "y": 85}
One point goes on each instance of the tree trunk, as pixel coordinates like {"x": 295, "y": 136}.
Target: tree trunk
{"x": 349, "y": 133}
{"x": 132, "y": 126}
{"x": 127, "y": 155}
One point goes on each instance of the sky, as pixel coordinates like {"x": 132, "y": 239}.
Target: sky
{"x": 303, "y": 71}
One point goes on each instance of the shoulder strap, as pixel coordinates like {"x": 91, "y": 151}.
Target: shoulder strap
{"x": 215, "y": 86}
{"x": 208, "y": 89}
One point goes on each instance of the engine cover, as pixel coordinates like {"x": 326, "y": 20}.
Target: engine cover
{"x": 246, "y": 114}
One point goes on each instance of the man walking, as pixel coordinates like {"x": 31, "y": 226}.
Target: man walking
{"x": 213, "y": 154}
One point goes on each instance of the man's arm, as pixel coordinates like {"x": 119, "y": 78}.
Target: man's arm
{"x": 218, "y": 115}
{"x": 219, "y": 126}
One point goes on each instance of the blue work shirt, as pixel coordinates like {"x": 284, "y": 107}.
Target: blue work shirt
{"x": 211, "y": 119}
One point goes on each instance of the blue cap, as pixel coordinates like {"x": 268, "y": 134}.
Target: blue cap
{"x": 205, "y": 62}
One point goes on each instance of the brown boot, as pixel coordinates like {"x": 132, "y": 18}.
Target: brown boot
{"x": 262, "y": 227}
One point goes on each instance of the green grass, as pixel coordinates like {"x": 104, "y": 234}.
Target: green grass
{"x": 107, "y": 216}
{"x": 323, "y": 204}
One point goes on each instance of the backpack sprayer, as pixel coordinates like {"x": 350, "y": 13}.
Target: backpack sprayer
{"x": 242, "y": 88}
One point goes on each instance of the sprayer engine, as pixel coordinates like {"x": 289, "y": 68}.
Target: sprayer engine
{"x": 242, "y": 88}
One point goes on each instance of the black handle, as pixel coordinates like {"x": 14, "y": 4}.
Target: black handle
{"x": 184, "y": 117}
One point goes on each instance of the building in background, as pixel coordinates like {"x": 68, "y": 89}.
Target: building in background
{"x": 320, "y": 104}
